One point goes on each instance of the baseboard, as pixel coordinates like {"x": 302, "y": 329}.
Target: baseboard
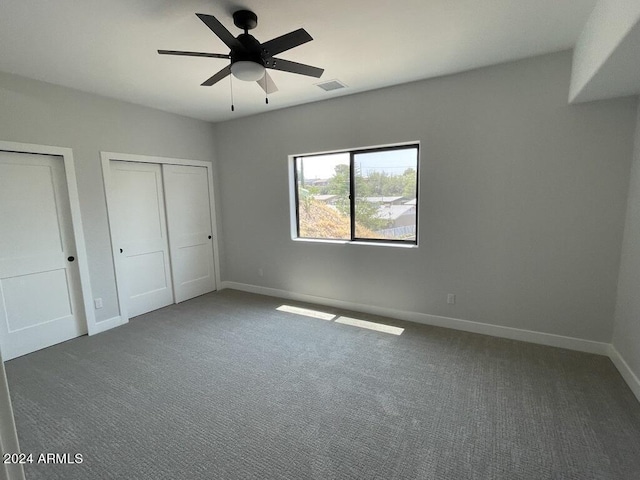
{"x": 625, "y": 370}
{"x": 530, "y": 336}
{"x": 108, "y": 324}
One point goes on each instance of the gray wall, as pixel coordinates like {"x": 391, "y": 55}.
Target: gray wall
{"x": 626, "y": 337}
{"x": 37, "y": 112}
{"x": 522, "y": 201}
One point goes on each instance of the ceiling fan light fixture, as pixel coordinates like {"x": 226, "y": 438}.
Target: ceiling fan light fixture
{"x": 247, "y": 71}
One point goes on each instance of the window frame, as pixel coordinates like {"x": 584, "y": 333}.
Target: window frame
{"x": 352, "y": 198}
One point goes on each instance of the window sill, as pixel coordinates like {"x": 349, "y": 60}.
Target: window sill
{"x": 356, "y": 242}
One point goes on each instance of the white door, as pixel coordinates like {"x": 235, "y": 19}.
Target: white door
{"x": 190, "y": 233}
{"x": 141, "y": 235}
{"x": 40, "y": 299}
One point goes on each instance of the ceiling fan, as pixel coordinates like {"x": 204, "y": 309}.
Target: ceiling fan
{"x": 249, "y": 58}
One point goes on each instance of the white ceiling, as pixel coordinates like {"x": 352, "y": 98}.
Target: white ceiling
{"x": 618, "y": 72}
{"x": 109, "y": 47}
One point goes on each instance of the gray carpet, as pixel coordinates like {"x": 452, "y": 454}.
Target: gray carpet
{"x": 226, "y": 387}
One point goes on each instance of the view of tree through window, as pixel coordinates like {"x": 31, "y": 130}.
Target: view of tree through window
{"x": 383, "y": 202}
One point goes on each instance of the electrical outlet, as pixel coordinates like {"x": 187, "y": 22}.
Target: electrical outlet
{"x": 260, "y": 272}
{"x": 451, "y": 299}
{"x": 98, "y": 303}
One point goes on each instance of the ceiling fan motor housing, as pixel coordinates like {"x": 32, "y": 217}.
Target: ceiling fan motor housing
{"x": 252, "y": 50}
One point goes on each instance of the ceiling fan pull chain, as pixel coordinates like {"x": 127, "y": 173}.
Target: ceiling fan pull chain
{"x": 266, "y": 91}
{"x": 233, "y": 108}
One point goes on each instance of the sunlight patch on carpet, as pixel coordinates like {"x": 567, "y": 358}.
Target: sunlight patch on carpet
{"x": 306, "y": 312}
{"x": 378, "y": 327}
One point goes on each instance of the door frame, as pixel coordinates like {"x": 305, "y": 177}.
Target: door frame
{"x": 106, "y": 158}
{"x": 8, "y": 435}
{"x": 76, "y": 219}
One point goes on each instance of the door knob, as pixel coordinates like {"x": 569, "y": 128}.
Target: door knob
{"x": 209, "y": 237}
{"x": 71, "y": 259}
{"x": 121, "y": 250}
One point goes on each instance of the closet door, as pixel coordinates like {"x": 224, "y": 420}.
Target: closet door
{"x": 40, "y": 299}
{"x": 190, "y": 234}
{"x": 141, "y": 236}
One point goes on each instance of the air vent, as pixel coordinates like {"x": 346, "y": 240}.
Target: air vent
{"x": 331, "y": 85}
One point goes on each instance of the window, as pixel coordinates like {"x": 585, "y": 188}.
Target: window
{"x": 365, "y": 195}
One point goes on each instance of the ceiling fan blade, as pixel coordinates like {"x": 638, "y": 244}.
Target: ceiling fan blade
{"x": 193, "y": 54}
{"x": 286, "y": 42}
{"x": 220, "y": 30}
{"x": 294, "y": 67}
{"x": 226, "y": 71}
{"x": 267, "y": 84}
